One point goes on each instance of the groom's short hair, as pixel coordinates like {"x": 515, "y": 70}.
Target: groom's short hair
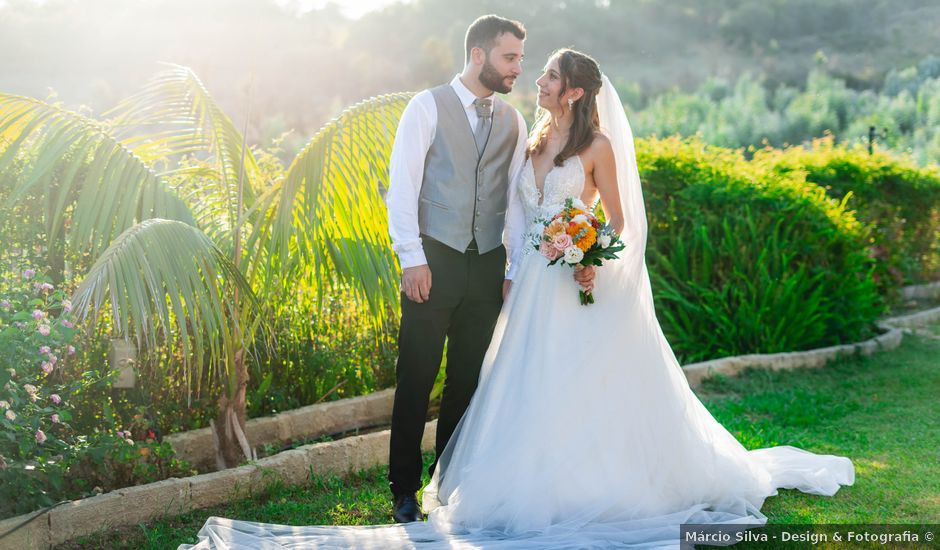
{"x": 484, "y": 32}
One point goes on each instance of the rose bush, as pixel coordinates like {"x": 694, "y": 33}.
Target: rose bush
{"x": 44, "y": 458}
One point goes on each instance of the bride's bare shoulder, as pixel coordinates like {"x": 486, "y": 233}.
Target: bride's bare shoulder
{"x": 599, "y": 149}
{"x": 601, "y": 142}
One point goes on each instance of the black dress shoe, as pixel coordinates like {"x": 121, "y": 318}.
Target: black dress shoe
{"x": 407, "y": 509}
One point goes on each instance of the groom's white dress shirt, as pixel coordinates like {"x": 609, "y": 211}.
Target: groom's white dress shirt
{"x": 406, "y": 172}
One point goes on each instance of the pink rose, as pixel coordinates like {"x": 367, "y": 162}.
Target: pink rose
{"x": 550, "y": 252}
{"x": 46, "y": 367}
{"x": 40, "y": 436}
{"x": 45, "y": 329}
{"x": 54, "y": 418}
{"x": 55, "y": 398}
{"x": 562, "y": 242}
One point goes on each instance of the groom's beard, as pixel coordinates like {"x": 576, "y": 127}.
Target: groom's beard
{"x": 491, "y": 78}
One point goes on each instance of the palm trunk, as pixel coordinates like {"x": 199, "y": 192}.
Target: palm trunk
{"x": 229, "y": 427}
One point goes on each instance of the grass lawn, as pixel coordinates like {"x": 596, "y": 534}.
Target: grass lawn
{"x": 880, "y": 411}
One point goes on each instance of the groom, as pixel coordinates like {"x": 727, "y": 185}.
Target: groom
{"x": 456, "y": 151}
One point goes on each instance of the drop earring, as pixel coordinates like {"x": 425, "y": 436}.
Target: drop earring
{"x": 570, "y": 103}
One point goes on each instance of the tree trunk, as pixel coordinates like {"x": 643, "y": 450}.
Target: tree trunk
{"x": 229, "y": 427}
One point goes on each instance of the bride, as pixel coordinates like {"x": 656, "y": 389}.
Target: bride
{"x": 583, "y": 431}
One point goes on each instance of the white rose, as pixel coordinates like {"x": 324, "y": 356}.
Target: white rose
{"x": 578, "y": 203}
{"x": 4, "y": 405}
{"x": 573, "y": 255}
{"x": 10, "y": 414}
{"x": 604, "y": 241}
{"x": 580, "y": 218}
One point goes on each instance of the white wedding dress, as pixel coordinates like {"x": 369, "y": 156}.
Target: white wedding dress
{"x": 583, "y": 432}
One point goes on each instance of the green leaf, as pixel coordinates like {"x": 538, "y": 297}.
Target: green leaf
{"x": 326, "y": 223}
{"x": 167, "y": 282}
{"x": 103, "y": 200}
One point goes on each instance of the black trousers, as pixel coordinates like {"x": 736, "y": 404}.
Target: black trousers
{"x": 465, "y": 299}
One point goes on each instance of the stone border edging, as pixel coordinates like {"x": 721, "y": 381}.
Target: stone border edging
{"x": 912, "y": 320}
{"x": 920, "y": 292}
{"x": 133, "y": 505}
{"x": 895, "y": 327}
{"x": 198, "y": 448}
{"x": 728, "y": 366}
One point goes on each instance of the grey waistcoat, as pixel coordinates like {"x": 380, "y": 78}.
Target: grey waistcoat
{"x": 462, "y": 197}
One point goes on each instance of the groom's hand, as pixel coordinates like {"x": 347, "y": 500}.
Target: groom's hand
{"x": 416, "y": 283}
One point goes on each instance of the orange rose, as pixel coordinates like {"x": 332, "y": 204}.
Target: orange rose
{"x": 587, "y": 241}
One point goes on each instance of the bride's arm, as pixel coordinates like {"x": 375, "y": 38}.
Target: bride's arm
{"x": 604, "y": 173}
{"x": 514, "y": 230}
{"x": 515, "y": 226}
{"x": 605, "y": 178}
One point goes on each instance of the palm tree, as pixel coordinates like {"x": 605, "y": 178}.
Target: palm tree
{"x": 194, "y": 243}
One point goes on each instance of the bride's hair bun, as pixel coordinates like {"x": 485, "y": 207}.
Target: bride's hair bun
{"x": 579, "y": 70}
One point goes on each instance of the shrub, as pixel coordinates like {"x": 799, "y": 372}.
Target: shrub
{"x": 44, "y": 456}
{"x": 743, "y": 260}
{"x": 899, "y": 200}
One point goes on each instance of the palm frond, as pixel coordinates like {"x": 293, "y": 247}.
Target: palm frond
{"x": 175, "y": 115}
{"x": 167, "y": 281}
{"x": 74, "y": 163}
{"x": 326, "y": 220}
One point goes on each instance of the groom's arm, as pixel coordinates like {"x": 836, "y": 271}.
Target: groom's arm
{"x": 406, "y": 173}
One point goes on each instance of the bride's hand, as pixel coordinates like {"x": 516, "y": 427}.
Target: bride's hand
{"x": 585, "y": 277}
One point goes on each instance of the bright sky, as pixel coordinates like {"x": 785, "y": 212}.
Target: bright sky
{"x": 353, "y": 9}
{"x": 350, "y": 8}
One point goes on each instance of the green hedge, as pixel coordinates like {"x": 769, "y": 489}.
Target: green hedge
{"x": 898, "y": 199}
{"x": 747, "y": 260}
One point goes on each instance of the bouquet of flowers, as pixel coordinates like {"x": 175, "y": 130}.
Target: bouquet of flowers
{"x": 576, "y": 237}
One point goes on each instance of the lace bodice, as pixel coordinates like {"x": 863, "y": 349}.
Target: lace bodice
{"x": 561, "y": 182}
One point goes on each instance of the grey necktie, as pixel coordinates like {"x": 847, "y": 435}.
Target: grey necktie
{"x": 484, "y": 122}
